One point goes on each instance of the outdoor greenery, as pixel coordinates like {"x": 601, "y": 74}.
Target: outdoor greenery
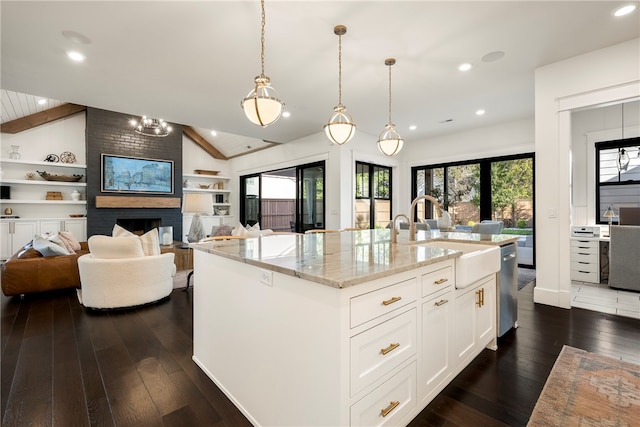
{"x": 511, "y": 181}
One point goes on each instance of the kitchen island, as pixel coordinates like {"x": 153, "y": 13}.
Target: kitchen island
{"x": 337, "y": 328}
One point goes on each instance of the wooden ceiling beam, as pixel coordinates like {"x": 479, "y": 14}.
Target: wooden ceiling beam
{"x": 271, "y": 144}
{"x": 41, "y": 118}
{"x": 203, "y": 143}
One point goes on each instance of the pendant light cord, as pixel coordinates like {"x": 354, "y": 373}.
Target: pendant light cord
{"x": 263, "y": 18}
{"x": 390, "y": 94}
{"x": 340, "y": 69}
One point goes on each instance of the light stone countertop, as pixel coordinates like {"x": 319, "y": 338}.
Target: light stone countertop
{"x": 343, "y": 259}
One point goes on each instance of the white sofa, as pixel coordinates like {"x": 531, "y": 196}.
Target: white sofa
{"x": 116, "y": 274}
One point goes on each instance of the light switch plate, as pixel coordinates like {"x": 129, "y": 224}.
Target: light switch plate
{"x": 266, "y": 277}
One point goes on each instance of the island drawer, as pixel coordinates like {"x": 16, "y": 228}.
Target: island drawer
{"x": 389, "y": 403}
{"x": 437, "y": 280}
{"x": 374, "y": 304}
{"x": 380, "y": 349}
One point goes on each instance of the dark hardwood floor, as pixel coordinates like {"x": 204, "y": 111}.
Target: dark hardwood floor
{"x": 65, "y": 366}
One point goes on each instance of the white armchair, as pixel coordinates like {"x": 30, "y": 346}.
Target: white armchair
{"x": 116, "y": 273}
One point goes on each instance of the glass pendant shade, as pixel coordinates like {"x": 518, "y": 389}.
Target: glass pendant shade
{"x": 263, "y": 105}
{"x": 390, "y": 143}
{"x": 623, "y": 160}
{"x": 340, "y": 128}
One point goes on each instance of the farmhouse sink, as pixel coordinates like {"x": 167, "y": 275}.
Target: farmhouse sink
{"x": 476, "y": 261}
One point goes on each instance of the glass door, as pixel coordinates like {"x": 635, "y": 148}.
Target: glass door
{"x": 311, "y": 204}
{"x": 250, "y": 212}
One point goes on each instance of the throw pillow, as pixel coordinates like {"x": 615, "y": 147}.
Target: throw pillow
{"x": 149, "y": 240}
{"x": 49, "y": 247}
{"x": 70, "y": 242}
{"x": 108, "y": 247}
{"x": 28, "y": 252}
{"x": 254, "y": 227}
{"x": 239, "y": 230}
{"x": 224, "y": 230}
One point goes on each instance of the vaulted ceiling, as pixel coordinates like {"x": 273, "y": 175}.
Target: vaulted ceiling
{"x": 192, "y": 62}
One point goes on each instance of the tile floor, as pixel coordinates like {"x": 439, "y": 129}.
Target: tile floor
{"x": 599, "y": 297}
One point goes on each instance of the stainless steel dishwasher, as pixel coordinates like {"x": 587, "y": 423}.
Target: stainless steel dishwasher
{"x": 508, "y": 306}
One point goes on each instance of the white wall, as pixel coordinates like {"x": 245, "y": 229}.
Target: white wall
{"x": 606, "y": 75}
{"x": 588, "y": 127}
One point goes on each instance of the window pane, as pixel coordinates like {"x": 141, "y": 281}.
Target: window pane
{"x": 463, "y": 190}
{"x": 362, "y": 180}
{"x": 512, "y": 192}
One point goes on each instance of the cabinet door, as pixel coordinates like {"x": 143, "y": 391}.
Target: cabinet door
{"x": 50, "y": 227}
{"x": 464, "y": 325}
{"x": 486, "y": 313}
{"x": 77, "y": 227}
{"x": 5, "y": 240}
{"x": 436, "y": 330}
{"x": 23, "y": 233}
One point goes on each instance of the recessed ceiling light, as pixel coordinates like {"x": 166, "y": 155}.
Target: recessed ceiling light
{"x": 42, "y": 101}
{"x": 493, "y": 56}
{"x": 286, "y": 114}
{"x": 464, "y": 67}
{"x": 76, "y": 56}
{"x": 624, "y": 10}
{"x": 214, "y": 133}
{"x": 480, "y": 112}
{"x": 413, "y": 127}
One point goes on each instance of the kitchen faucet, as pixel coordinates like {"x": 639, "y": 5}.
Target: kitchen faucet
{"x": 412, "y": 224}
{"x": 394, "y": 232}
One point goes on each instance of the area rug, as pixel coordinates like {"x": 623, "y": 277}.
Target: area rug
{"x": 586, "y": 389}
{"x": 525, "y": 276}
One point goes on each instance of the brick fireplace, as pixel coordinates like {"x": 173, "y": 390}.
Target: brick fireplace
{"x": 109, "y": 132}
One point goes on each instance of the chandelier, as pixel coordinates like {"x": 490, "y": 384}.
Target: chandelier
{"x": 151, "y": 127}
{"x": 390, "y": 142}
{"x": 340, "y": 128}
{"x": 262, "y": 106}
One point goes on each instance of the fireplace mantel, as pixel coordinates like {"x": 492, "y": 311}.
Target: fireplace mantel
{"x": 137, "y": 202}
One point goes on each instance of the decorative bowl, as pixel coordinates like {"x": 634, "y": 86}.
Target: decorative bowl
{"x": 205, "y": 186}
{"x": 62, "y": 178}
{"x": 221, "y": 211}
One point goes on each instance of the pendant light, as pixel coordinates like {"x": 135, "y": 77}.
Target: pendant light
{"x": 389, "y": 142}
{"x": 263, "y": 105}
{"x": 340, "y": 128}
{"x": 151, "y": 127}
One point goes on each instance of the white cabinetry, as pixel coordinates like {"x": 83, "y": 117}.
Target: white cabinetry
{"x": 77, "y": 227}
{"x": 585, "y": 260}
{"x": 15, "y": 234}
{"x": 474, "y": 319}
{"x": 376, "y": 353}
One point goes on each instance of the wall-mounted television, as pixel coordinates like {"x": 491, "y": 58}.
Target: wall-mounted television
{"x": 122, "y": 174}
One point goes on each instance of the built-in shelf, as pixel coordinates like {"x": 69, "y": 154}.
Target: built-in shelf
{"x": 196, "y": 175}
{"x": 42, "y": 163}
{"x": 40, "y": 182}
{"x": 43, "y": 202}
{"x": 204, "y": 190}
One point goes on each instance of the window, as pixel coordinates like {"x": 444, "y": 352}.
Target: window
{"x": 373, "y": 195}
{"x": 617, "y": 175}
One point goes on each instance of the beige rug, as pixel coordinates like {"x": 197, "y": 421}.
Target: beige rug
{"x": 586, "y": 389}
{"x": 180, "y": 279}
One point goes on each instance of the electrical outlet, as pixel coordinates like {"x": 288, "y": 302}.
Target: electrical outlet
{"x": 266, "y": 277}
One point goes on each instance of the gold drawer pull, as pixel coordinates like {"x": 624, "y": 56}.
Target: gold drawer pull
{"x": 391, "y": 301}
{"x": 391, "y": 347}
{"x": 442, "y": 302}
{"x": 392, "y": 405}
{"x": 440, "y": 282}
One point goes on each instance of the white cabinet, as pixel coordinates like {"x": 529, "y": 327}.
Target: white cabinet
{"x": 474, "y": 319}
{"x": 77, "y": 227}
{"x": 437, "y": 321}
{"x": 585, "y": 260}
{"x": 15, "y": 234}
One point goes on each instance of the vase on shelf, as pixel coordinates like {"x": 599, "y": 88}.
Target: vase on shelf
{"x": 75, "y": 195}
{"x": 15, "y": 152}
